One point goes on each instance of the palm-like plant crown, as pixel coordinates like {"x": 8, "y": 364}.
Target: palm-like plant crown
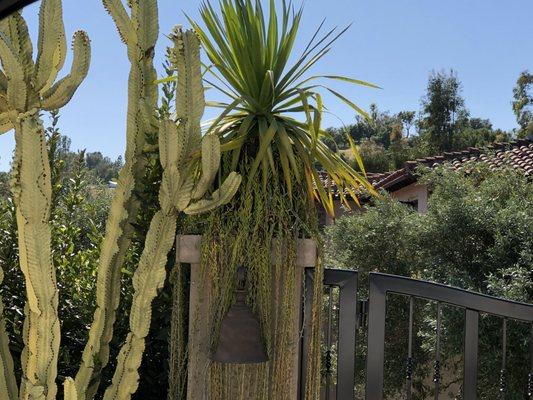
{"x": 250, "y": 55}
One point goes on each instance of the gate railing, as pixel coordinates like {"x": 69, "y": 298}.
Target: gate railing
{"x": 380, "y": 285}
{"x": 472, "y": 303}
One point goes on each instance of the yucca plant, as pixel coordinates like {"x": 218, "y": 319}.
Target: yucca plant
{"x": 270, "y": 132}
{"x": 251, "y": 55}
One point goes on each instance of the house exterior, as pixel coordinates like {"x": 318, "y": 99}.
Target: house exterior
{"x": 403, "y": 184}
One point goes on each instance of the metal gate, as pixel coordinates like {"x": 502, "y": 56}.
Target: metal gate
{"x": 353, "y": 313}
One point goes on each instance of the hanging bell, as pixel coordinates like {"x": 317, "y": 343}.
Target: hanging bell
{"x": 240, "y": 339}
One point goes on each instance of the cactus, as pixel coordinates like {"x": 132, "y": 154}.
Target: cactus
{"x": 138, "y": 30}
{"x": 26, "y": 88}
{"x": 178, "y": 142}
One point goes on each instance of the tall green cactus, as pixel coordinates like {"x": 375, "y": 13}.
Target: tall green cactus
{"x": 181, "y": 185}
{"x": 26, "y": 88}
{"x": 138, "y": 30}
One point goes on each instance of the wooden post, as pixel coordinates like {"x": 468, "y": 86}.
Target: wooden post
{"x": 189, "y": 251}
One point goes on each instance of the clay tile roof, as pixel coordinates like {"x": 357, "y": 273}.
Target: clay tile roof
{"x": 517, "y": 154}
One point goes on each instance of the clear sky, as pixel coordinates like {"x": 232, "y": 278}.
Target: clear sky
{"x": 393, "y": 43}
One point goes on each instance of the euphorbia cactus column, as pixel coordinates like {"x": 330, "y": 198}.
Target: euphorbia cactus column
{"x": 138, "y": 29}
{"x": 26, "y": 88}
{"x": 185, "y": 181}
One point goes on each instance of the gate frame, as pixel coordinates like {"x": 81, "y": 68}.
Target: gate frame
{"x": 473, "y": 303}
{"x": 347, "y": 282}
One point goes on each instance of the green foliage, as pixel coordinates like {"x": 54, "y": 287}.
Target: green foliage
{"x": 443, "y": 110}
{"x": 477, "y": 234}
{"x": 385, "y": 141}
{"x": 252, "y": 64}
{"x": 4, "y": 184}
{"x": 523, "y": 103}
{"x": 373, "y": 154}
{"x": 103, "y": 167}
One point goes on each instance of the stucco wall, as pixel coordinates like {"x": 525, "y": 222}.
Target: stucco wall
{"x": 412, "y": 193}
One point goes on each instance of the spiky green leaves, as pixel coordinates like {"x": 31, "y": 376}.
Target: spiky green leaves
{"x": 250, "y": 52}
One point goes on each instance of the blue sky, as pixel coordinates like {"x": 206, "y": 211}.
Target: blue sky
{"x": 393, "y": 43}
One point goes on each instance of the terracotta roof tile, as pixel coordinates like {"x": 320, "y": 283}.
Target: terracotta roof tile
{"x": 517, "y": 154}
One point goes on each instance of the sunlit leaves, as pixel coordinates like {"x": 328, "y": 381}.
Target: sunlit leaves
{"x": 253, "y": 63}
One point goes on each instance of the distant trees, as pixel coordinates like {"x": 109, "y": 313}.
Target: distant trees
{"x": 98, "y": 168}
{"x": 443, "y": 124}
{"x": 523, "y": 103}
{"x": 443, "y": 111}
{"x": 103, "y": 167}
{"x": 4, "y": 184}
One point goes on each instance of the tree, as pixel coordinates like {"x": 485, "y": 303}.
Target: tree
{"x": 408, "y": 120}
{"x": 443, "y": 110}
{"x": 4, "y": 184}
{"x": 373, "y": 154}
{"x": 489, "y": 214}
{"x": 523, "y": 103}
{"x": 477, "y": 132}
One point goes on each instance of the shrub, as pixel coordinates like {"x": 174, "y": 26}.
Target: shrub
{"x": 477, "y": 234}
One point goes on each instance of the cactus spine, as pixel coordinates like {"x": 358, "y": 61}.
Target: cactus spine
{"x": 178, "y": 142}
{"x": 138, "y": 30}
{"x": 26, "y": 88}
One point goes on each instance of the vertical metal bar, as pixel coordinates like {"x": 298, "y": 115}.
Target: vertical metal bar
{"x": 409, "y": 367}
{"x": 503, "y": 371}
{"x": 347, "y": 338}
{"x": 530, "y": 375}
{"x": 347, "y": 283}
{"x": 437, "y": 376}
{"x": 328, "y": 343}
{"x": 306, "y": 311}
{"x": 471, "y": 354}
{"x": 376, "y": 341}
